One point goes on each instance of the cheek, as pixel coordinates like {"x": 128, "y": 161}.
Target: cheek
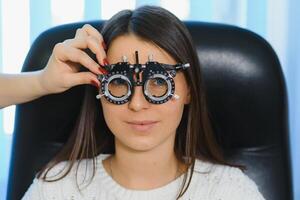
{"x": 172, "y": 114}
{"x": 111, "y": 113}
{"x": 172, "y": 110}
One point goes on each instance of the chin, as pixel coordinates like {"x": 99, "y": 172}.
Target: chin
{"x": 141, "y": 145}
{"x": 137, "y": 143}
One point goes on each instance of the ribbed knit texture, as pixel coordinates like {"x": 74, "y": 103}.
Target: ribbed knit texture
{"x": 209, "y": 182}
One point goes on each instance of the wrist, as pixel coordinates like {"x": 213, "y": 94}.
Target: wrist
{"x": 40, "y": 83}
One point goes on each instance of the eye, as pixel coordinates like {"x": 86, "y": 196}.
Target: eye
{"x": 118, "y": 81}
{"x": 118, "y": 87}
{"x": 159, "y": 82}
{"x": 156, "y": 87}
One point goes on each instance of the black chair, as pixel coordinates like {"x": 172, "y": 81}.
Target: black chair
{"x": 246, "y": 94}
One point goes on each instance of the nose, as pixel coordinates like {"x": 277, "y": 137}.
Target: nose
{"x": 138, "y": 101}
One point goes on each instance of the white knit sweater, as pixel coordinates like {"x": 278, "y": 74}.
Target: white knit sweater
{"x": 209, "y": 182}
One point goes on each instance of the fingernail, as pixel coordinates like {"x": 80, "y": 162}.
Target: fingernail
{"x": 105, "y": 62}
{"x": 95, "y": 84}
{"x": 104, "y": 45}
{"x": 103, "y": 71}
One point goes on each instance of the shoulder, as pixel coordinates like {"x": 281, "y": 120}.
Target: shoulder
{"x": 226, "y": 182}
{"x": 62, "y": 176}
{"x": 83, "y": 168}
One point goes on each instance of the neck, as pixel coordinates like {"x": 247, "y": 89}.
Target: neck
{"x": 144, "y": 169}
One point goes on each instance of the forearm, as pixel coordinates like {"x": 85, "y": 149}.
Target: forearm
{"x": 20, "y": 88}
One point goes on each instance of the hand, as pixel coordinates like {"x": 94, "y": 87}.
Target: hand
{"x": 62, "y": 69}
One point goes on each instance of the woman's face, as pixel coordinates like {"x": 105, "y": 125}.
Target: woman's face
{"x": 167, "y": 115}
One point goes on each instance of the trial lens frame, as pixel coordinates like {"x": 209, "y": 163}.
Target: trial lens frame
{"x": 137, "y": 75}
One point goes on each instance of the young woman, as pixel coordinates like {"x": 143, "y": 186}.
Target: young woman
{"x": 133, "y": 143}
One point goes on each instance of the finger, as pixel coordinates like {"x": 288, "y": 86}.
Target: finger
{"x": 88, "y": 42}
{"x": 67, "y": 53}
{"x": 90, "y": 30}
{"x": 97, "y": 49}
{"x": 75, "y": 66}
{"x": 83, "y": 78}
{"x": 79, "y": 33}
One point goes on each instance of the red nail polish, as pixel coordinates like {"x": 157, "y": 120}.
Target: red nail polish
{"x": 104, "y": 45}
{"x": 94, "y": 83}
{"x": 103, "y": 71}
{"x": 105, "y": 62}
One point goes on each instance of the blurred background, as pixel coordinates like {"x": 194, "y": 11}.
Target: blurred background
{"x": 278, "y": 21}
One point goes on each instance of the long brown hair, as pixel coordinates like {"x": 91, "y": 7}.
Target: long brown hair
{"x": 194, "y": 137}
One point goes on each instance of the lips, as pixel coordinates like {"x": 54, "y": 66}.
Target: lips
{"x": 142, "y": 122}
{"x": 142, "y": 125}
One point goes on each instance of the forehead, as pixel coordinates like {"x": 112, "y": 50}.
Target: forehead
{"x": 128, "y": 44}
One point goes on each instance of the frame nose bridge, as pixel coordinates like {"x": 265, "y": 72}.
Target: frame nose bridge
{"x": 138, "y": 75}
